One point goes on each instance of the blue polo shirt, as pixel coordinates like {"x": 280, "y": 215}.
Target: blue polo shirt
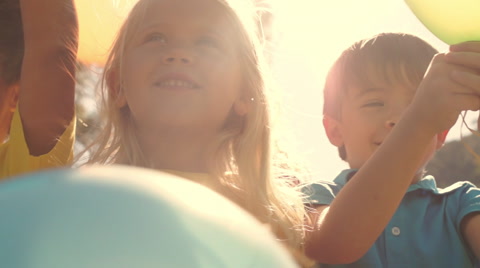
{"x": 423, "y": 232}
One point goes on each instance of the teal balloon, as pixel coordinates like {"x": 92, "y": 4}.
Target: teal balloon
{"x": 119, "y": 217}
{"x": 452, "y": 21}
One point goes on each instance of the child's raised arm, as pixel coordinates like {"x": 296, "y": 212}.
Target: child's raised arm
{"x": 468, "y": 54}
{"x": 47, "y": 82}
{"x": 346, "y": 230}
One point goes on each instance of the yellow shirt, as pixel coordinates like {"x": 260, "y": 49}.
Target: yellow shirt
{"x": 15, "y": 157}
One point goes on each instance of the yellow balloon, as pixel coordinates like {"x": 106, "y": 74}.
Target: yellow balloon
{"x": 452, "y": 21}
{"x": 99, "y": 22}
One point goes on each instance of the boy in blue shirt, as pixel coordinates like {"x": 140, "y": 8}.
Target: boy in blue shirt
{"x": 388, "y": 104}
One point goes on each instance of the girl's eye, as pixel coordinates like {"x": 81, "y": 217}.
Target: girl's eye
{"x": 156, "y": 37}
{"x": 208, "y": 42}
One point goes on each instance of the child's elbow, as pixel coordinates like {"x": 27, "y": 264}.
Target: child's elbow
{"x": 330, "y": 254}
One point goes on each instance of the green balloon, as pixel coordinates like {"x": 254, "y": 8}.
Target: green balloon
{"x": 452, "y": 21}
{"x": 124, "y": 217}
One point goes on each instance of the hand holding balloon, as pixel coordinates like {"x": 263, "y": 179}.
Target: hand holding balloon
{"x": 455, "y": 23}
{"x": 467, "y": 54}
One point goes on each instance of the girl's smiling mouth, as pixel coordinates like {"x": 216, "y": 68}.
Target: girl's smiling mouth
{"x": 176, "y": 81}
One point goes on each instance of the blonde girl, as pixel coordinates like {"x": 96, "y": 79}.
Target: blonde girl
{"x": 183, "y": 91}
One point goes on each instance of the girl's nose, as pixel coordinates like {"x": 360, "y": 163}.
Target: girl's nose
{"x": 178, "y": 55}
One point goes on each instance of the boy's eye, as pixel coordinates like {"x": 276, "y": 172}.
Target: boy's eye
{"x": 156, "y": 37}
{"x": 374, "y": 104}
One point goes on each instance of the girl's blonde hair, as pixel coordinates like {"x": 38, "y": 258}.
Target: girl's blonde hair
{"x": 241, "y": 158}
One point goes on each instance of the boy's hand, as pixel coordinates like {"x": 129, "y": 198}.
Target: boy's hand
{"x": 468, "y": 52}
{"x": 451, "y": 85}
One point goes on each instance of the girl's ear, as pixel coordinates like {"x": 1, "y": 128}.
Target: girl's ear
{"x": 241, "y": 106}
{"x": 332, "y": 129}
{"x": 115, "y": 89}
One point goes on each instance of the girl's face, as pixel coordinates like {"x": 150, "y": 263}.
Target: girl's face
{"x": 181, "y": 68}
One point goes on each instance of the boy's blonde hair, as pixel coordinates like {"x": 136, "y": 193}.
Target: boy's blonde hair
{"x": 241, "y": 158}
{"x": 391, "y": 58}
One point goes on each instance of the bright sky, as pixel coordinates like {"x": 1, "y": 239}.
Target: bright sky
{"x": 312, "y": 33}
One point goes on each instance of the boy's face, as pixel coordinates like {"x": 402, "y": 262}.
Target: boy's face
{"x": 368, "y": 115}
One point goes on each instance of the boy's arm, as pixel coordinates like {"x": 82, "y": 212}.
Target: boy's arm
{"x": 47, "y": 82}
{"x": 347, "y": 228}
{"x": 471, "y": 232}
{"x": 468, "y": 52}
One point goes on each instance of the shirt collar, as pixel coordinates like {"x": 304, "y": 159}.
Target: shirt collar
{"x": 344, "y": 176}
{"x": 427, "y": 183}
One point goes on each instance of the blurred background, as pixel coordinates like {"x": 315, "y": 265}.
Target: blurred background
{"x": 305, "y": 38}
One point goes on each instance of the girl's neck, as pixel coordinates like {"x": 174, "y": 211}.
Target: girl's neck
{"x": 177, "y": 149}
